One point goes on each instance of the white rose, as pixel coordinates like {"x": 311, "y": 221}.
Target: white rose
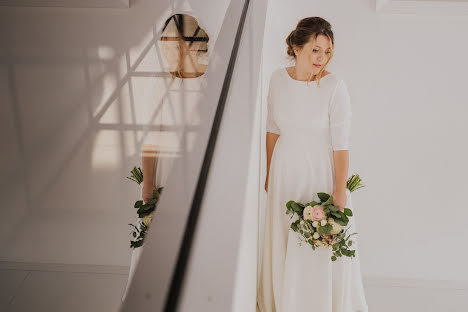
{"x": 315, "y": 224}
{"x": 147, "y": 219}
{"x": 302, "y": 222}
{"x": 307, "y": 213}
{"x": 331, "y": 220}
{"x": 323, "y": 222}
{"x": 336, "y": 228}
{"x": 316, "y": 235}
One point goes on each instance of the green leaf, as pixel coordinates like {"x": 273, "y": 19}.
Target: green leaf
{"x": 350, "y": 243}
{"x": 313, "y": 203}
{"x": 336, "y": 214}
{"x": 341, "y": 222}
{"x": 294, "y": 227}
{"x": 344, "y": 217}
{"x": 325, "y": 229}
{"x": 333, "y": 258}
{"x": 296, "y": 207}
{"x": 323, "y": 196}
{"x": 147, "y": 206}
{"x": 330, "y": 200}
{"x": 348, "y": 212}
{"x": 333, "y": 208}
{"x": 138, "y": 204}
{"x": 152, "y": 201}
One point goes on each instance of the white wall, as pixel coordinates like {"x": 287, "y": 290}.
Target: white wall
{"x": 406, "y": 75}
{"x": 77, "y": 89}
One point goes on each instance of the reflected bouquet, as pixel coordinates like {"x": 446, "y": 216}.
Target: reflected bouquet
{"x": 145, "y": 210}
{"x": 321, "y": 224}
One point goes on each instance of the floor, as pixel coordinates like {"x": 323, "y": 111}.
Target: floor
{"x": 43, "y": 287}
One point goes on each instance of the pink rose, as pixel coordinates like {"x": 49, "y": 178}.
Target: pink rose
{"x": 317, "y": 213}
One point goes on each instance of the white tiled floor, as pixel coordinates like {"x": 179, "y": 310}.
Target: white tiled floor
{"x": 37, "y": 291}
{"x": 50, "y": 291}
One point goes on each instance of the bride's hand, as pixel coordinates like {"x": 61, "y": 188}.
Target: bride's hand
{"x": 339, "y": 199}
{"x": 147, "y": 192}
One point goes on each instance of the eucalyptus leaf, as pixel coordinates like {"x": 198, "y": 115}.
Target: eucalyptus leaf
{"x": 343, "y": 216}
{"x": 296, "y": 207}
{"x": 341, "y": 222}
{"x": 336, "y": 214}
{"x": 348, "y": 212}
{"x": 323, "y": 196}
{"x": 294, "y": 227}
{"x": 152, "y": 201}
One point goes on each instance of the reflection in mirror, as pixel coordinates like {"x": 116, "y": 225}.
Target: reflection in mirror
{"x": 183, "y": 50}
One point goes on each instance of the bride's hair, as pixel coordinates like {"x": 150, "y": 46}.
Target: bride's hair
{"x": 183, "y": 27}
{"x": 306, "y": 29}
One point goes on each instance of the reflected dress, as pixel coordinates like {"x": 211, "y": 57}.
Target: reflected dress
{"x": 167, "y": 101}
{"x": 312, "y": 121}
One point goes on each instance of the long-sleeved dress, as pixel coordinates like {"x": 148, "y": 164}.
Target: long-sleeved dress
{"x": 312, "y": 121}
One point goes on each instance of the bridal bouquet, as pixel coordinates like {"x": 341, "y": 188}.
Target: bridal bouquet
{"x": 321, "y": 224}
{"x": 145, "y": 210}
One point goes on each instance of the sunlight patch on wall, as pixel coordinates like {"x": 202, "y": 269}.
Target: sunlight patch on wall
{"x": 107, "y": 150}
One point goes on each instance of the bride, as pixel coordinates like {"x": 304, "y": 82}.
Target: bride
{"x": 307, "y": 143}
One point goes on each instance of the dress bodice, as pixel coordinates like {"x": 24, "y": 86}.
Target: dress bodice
{"x": 321, "y": 113}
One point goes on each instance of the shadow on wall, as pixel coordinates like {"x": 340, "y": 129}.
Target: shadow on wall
{"x": 78, "y": 100}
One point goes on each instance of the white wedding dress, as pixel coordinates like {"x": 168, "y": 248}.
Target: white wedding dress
{"x": 312, "y": 122}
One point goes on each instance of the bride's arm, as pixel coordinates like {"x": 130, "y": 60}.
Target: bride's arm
{"x": 271, "y": 139}
{"x": 341, "y": 159}
{"x": 148, "y": 158}
{"x": 340, "y": 130}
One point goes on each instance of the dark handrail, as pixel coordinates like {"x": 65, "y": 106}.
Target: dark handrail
{"x": 172, "y": 299}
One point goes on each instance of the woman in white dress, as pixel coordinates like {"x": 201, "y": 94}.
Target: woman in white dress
{"x": 308, "y": 141}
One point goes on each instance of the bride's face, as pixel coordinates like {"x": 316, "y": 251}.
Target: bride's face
{"x": 314, "y": 55}
{"x": 177, "y": 50}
